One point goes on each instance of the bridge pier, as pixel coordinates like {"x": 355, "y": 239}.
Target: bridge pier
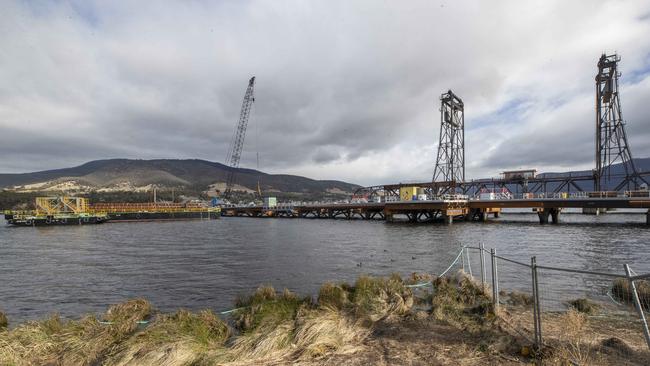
{"x": 543, "y": 216}
{"x": 647, "y": 218}
{"x": 544, "y": 213}
{"x": 483, "y": 216}
{"x": 389, "y": 216}
{"x": 555, "y": 215}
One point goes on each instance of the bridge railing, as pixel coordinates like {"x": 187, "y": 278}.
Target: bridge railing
{"x": 561, "y": 195}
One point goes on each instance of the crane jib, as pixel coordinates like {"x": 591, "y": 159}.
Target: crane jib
{"x": 237, "y": 142}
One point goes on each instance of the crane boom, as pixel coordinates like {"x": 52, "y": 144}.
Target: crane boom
{"x": 237, "y": 141}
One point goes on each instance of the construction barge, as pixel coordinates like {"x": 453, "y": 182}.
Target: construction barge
{"x": 78, "y": 211}
{"x": 156, "y": 211}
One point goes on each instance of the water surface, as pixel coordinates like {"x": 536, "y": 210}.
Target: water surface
{"x": 206, "y": 264}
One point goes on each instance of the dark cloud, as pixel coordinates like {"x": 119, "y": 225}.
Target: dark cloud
{"x": 345, "y": 90}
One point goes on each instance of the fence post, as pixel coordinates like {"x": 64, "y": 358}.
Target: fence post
{"x": 536, "y": 308}
{"x": 469, "y": 265}
{"x": 495, "y": 280}
{"x": 637, "y": 303}
{"x": 481, "y": 249}
{"x": 462, "y": 256}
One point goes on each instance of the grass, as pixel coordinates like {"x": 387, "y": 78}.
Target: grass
{"x": 517, "y": 298}
{"x": 576, "y": 344}
{"x": 461, "y": 302}
{"x": 622, "y": 291}
{"x": 584, "y": 306}
{"x": 266, "y": 308}
{"x": 272, "y": 327}
{"x": 378, "y": 297}
{"x": 72, "y": 342}
{"x": 4, "y": 323}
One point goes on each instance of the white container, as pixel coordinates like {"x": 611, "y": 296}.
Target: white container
{"x": 270, "y": 202}
{"x": 487, "y": 196}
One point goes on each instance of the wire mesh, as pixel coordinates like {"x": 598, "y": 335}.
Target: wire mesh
{"x": 516, "y": 297}
{"x": 514, "y": 288}
{"x": 581, "y": 312}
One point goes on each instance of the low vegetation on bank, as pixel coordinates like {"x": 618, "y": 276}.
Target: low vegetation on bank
{"x": 622, "y": 290}
{"x": 373, "y": 321}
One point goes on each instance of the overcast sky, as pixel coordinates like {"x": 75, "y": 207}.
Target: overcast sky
{"x": 345, "y": 89}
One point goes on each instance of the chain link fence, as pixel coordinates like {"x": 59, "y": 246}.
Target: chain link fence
{"x": 553, "y": 306}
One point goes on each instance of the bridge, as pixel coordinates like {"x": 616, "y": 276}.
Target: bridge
{"x": 449, "y": 195}
{"x": 548, "y": 208}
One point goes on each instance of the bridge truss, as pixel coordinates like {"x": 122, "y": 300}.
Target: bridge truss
{"x": 611, "y": 140}
{"x": 450, "y": 163}
{"x": 612, "y": 148}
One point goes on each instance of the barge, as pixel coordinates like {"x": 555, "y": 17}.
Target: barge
{"x": 77, "y": 211}
{"x": 56, "y": 211}
{"x": 155, "y": 211}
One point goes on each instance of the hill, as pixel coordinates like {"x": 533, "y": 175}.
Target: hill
{"x": 140, "y": 175}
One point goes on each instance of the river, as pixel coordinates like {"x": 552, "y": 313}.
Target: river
{"x": 205, "y": 264}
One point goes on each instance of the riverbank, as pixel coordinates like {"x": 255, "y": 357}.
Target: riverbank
{"x": 374, "y": 321}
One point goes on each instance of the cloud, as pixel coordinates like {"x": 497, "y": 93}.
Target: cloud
{"x": 345, "y": 90}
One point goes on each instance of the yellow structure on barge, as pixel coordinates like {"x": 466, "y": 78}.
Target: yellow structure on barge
{"x": 57, "y": 210}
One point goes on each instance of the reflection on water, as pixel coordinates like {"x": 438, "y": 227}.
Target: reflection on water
{"x": 205, "y": 264}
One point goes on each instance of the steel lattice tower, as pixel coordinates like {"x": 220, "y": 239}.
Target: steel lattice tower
{"x": 611, "y": 141}
{"x": 450, "y": 163}
{"x": 237, "y": 141}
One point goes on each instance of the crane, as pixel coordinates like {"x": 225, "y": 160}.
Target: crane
{"x": 237, "y": 141}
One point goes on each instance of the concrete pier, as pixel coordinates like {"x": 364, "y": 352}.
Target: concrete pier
{"x": 555, "y": 215}
{"x": 449, "y": 220}
{"x": 543, "y": 216}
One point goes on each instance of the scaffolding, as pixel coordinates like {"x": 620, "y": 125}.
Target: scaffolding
{"x": 48, "y": 206}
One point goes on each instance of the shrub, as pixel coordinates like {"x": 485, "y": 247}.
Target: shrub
{"x": 622, "y": 291}
{"x": 584, "y": 306}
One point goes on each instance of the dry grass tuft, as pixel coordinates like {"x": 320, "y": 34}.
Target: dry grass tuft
{"x": 376, "y": 298}
{"x": 333, "y": 296}
{"x": 584, "y": 306}
{"x": 266, "y": 308}
{"x": 517, "y": 298}
{"x": 622, "y": 291}
{"x": 179, "y": 338}
{"x": 4, "y": 323}
{"x": 576, "y": 343}
{"x": 204, "y": 330}
{"x": 73, "y": 342}
{"x": 269, "y": 341}
{"x": 461, "y": 302}
{"x": 328, "y": 330}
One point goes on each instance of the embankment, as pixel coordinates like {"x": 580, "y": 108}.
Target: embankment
{"x": 373, "y": 321}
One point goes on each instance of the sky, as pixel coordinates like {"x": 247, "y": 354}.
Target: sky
{"x": 346, "y": 90}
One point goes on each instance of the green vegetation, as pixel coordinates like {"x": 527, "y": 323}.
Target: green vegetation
{"x": 72, "y": 342}
{"x": 266, "y": 309}
{"x": 17, "y": 201}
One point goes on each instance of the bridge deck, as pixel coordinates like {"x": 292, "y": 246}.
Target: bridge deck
{"x": 440, "y": 209}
